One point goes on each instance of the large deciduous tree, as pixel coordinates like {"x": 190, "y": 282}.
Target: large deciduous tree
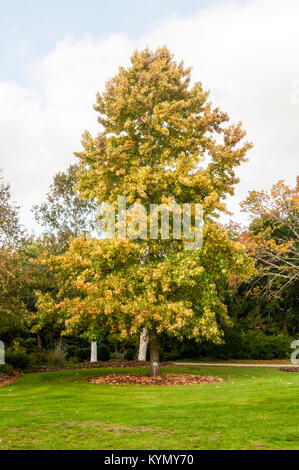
{"x": 161, "y": 141}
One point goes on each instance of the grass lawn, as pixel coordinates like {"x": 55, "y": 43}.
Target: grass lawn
{"x": 240, "y": 361}
{"x": 253, "y": 409}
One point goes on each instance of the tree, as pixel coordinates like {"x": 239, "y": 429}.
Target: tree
{"x": 10, "y": 228}
{"x": 65, "y": 213}
{"x": 11, "y": 305}
{"x": 157, "y": 133}
{"x": 39, "y": 281}
{"x": 12, "y": 309}
{"x": 273, "y": 237}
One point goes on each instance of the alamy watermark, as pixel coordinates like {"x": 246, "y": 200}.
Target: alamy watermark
{"x": 294, "y": 97}
{"x": 136, "y": 223}
{"x": 295, "y": 354}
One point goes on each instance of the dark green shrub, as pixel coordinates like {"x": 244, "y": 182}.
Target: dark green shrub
{"x": 39, "y": 358}
{"x": 236, "y": 344}
{"x": 6, "y": 369}
{"x": 83, "y": 354}
{"x": 54, "y": 359}
{"x": 169, "y": 356}
{"x": 261, "y": 346}
{"x": 45, "y": 358}
{"x": 30, "y": 345}
{"x": 130, "y": 354}
{"x": 247, "y": 345}
{"x": 71, "y": 351}
{"x": 103, "y": 352}
{"x": 73, "y": 359}
{"x": 17, "y": 359}
{"x": 188, "y": 349}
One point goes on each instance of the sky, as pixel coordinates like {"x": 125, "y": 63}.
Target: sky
{"x": 55, "y": 55}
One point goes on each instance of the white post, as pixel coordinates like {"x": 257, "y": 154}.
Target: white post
{"x": 2, "y": 353}
{"x": 94, "y": 352}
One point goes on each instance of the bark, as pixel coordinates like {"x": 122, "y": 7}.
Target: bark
{"x": 61, "y": 346}
{"x": 62, "y": 343}
{"x": 39, "y": 341}
{"x": 144, "y": 339}
{"x": 93, "y": 352}
{"x": 154, "y": 357}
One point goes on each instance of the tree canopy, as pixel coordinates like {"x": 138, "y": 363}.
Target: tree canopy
{"x": 161, "y": 142}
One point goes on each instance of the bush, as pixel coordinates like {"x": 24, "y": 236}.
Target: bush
{"x": 54, "y": 359}
{"x": 83, "y": 354}
{"x": 103, "y": 352}
{"x": 130, "y": 354}
{"x": 45, "y": 358}
{"x": 73, "y": 359}
{"x": 261, "y": 346}
{"x": 17, "y": 359}
{"x": 236, "y": 344}
{"x": 39, "y": 358}
{"x": 6, "y": 369}
{"x": 21, "y": 361}
{"x": 170, "y": 356}
{"x": 251, "y": 344}
{"x": 30, "y": 345}
{"x": 117, "y": 356}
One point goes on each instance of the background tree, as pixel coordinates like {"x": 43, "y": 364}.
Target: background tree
{"x": 10, "y": 228}
{"x": 12, "y": 308}
{"x": 266, "y": 307}
{"x": 65, "y": 213}
{"x": 273, "y": 236}
{"x": 39, "y": 279}
{"x": 11, "y": 233}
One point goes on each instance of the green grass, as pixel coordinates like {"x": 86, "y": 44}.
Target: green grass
{"x": 253, "y": 409}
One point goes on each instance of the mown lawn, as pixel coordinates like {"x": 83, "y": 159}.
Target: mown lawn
{"x": 253, "y": 409}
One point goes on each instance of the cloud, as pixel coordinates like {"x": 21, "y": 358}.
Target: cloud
{"x": 40, "y": 128}
{"x": 246, "y": 55}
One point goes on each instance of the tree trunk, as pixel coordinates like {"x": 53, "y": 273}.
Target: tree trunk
{"x": 39, "y": 341}
{"x": 94, "y": 352}
{"x": 61, "y": 346}
{"x": 144, "y": 339}
{"x": 154, "y": 357}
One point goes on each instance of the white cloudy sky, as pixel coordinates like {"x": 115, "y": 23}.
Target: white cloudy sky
{"x": 245, "y": 52}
